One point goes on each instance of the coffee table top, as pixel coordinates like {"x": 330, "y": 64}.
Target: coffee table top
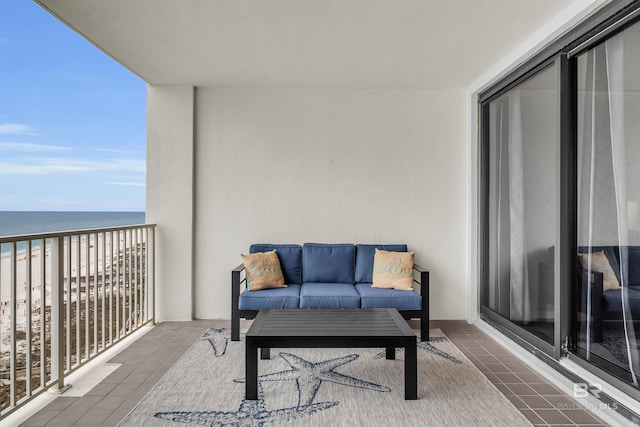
{"x": 375, "y": 322}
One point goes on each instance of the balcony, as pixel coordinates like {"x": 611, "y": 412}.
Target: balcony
{"x": 97, "y": 325}
{"x": 89, "y": 294}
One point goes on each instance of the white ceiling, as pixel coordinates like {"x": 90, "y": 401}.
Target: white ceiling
{"x": 417, "y": 44}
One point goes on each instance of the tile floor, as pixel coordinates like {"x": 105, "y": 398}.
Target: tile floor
{"x": 145, "y": 362}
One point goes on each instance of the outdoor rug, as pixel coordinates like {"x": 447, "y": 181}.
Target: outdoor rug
{"x": 323, "y": 387}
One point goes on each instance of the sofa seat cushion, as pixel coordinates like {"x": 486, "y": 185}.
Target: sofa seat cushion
{"x": 288, "y": 297}
{"x": 388, "y": 298}
{"x": 364, "y": 259}
{"x": 290, "y": 257}
{"x": 329, "y": 295}
{"x": 328, "y": 263}
{"x": 612, "y": 302}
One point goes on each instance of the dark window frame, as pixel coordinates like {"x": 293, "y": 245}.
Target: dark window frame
{"x": 606, "y": 22}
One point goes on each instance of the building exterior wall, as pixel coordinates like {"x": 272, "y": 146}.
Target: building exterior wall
{"x": 170, "y": 140}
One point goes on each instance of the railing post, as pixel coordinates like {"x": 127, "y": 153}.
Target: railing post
{"x": 151, "y": 268}
{"x": 57, "y": 314}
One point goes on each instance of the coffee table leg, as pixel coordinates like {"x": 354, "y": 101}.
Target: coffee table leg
{"x": 391, "y": 353}
{"x": 265, "y": 353}
{"x": 410, "y": 371}
{"x": 251, "y": 369}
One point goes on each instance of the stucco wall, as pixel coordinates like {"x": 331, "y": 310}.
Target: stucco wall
{"x": 170, "y": 196}
{"x": 292, "y": 166}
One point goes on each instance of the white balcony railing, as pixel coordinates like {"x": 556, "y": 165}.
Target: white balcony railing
{"x": 66, "y": 297}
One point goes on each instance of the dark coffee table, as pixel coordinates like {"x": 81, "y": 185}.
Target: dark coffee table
{"x": 342, "y": 328}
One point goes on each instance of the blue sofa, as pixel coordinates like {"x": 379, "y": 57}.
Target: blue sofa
{"x": 328, "y": 276}
{"x": 606, "y": 305}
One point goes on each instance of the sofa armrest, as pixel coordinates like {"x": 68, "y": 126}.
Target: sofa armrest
{"x": 424, "y": 292}
{"x": 424, "y": 279}
{"x": 235, "y": 280}
{"x": 235, "y": 296}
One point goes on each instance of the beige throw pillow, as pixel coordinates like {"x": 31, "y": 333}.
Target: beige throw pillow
{"x": 263, "y": 270}
{"x": 600, "y": 263}
{"x": 393, "y": 270}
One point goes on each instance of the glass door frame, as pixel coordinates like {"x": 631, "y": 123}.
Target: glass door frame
{"x": 609, "y": 20}
{"x": 632, "y": 17}
{"x": 527, "y": 339}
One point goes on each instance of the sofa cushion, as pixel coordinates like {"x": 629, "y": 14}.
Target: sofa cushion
{"x": 290, "y": 257}
{"x": 393, "y": 270}
{"x": 328, "y": 263}
{"x": 263, "y": 270}
{"x": 288, "y": 297}
{"x": 364, "y": 259}
{"x": 612, "y": 300}
{"x": 329, "y": 295}
{"x": 371, "y": 297}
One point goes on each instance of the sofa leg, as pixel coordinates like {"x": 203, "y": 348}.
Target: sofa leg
{"x": 424, "y": 329}
{"x": 596, "y": 330}
{"x": 235, "y": 327}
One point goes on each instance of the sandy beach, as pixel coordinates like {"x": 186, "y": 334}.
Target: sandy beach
{"x": 77, "y": 265}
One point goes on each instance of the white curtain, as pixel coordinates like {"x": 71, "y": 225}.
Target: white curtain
{"x": 603, "y": 179}
{"x": 513, "y": 294}
{"x": 520, "y": 305}
{"x": 614, "y": 49}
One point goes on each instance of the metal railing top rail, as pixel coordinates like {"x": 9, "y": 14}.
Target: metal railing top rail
{"x": 54, "y": 234}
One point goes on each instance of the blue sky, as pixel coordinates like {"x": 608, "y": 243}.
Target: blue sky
{"x": 72, "y": 120}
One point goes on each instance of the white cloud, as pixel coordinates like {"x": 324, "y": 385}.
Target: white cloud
{"x": 129, "y": 177}
{"x": 114, "y": 151}
{"x": 42, "y": 166}
{"x": 16, "y": 129}
{"x": 129, "y": 184}
{"x": 31, "y": 148}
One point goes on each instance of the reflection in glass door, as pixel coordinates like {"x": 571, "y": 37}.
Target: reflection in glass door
{"x": 520, "y": 207}
{"x": 607, "y": 289}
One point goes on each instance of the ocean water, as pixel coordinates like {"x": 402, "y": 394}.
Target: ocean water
{"x": 15, "y": 223}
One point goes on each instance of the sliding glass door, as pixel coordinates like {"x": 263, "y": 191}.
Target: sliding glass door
{"x": 607, "y": 303}
{"x": 521, "y": 128}
{"x": 560, "y": 201}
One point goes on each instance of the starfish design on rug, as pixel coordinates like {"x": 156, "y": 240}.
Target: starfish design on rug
{"x": 427, "y": 345}
{"x": 252, "y": 413}
{"x": 218, "y": 338}
{"x": 309, "y": 376}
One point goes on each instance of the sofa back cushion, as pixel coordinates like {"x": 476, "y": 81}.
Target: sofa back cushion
{"x": 364, "y": 259}
{"x": 328, "y": 263}
{"x": 633, "y": 257}
{"x": 290, "y": 257}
